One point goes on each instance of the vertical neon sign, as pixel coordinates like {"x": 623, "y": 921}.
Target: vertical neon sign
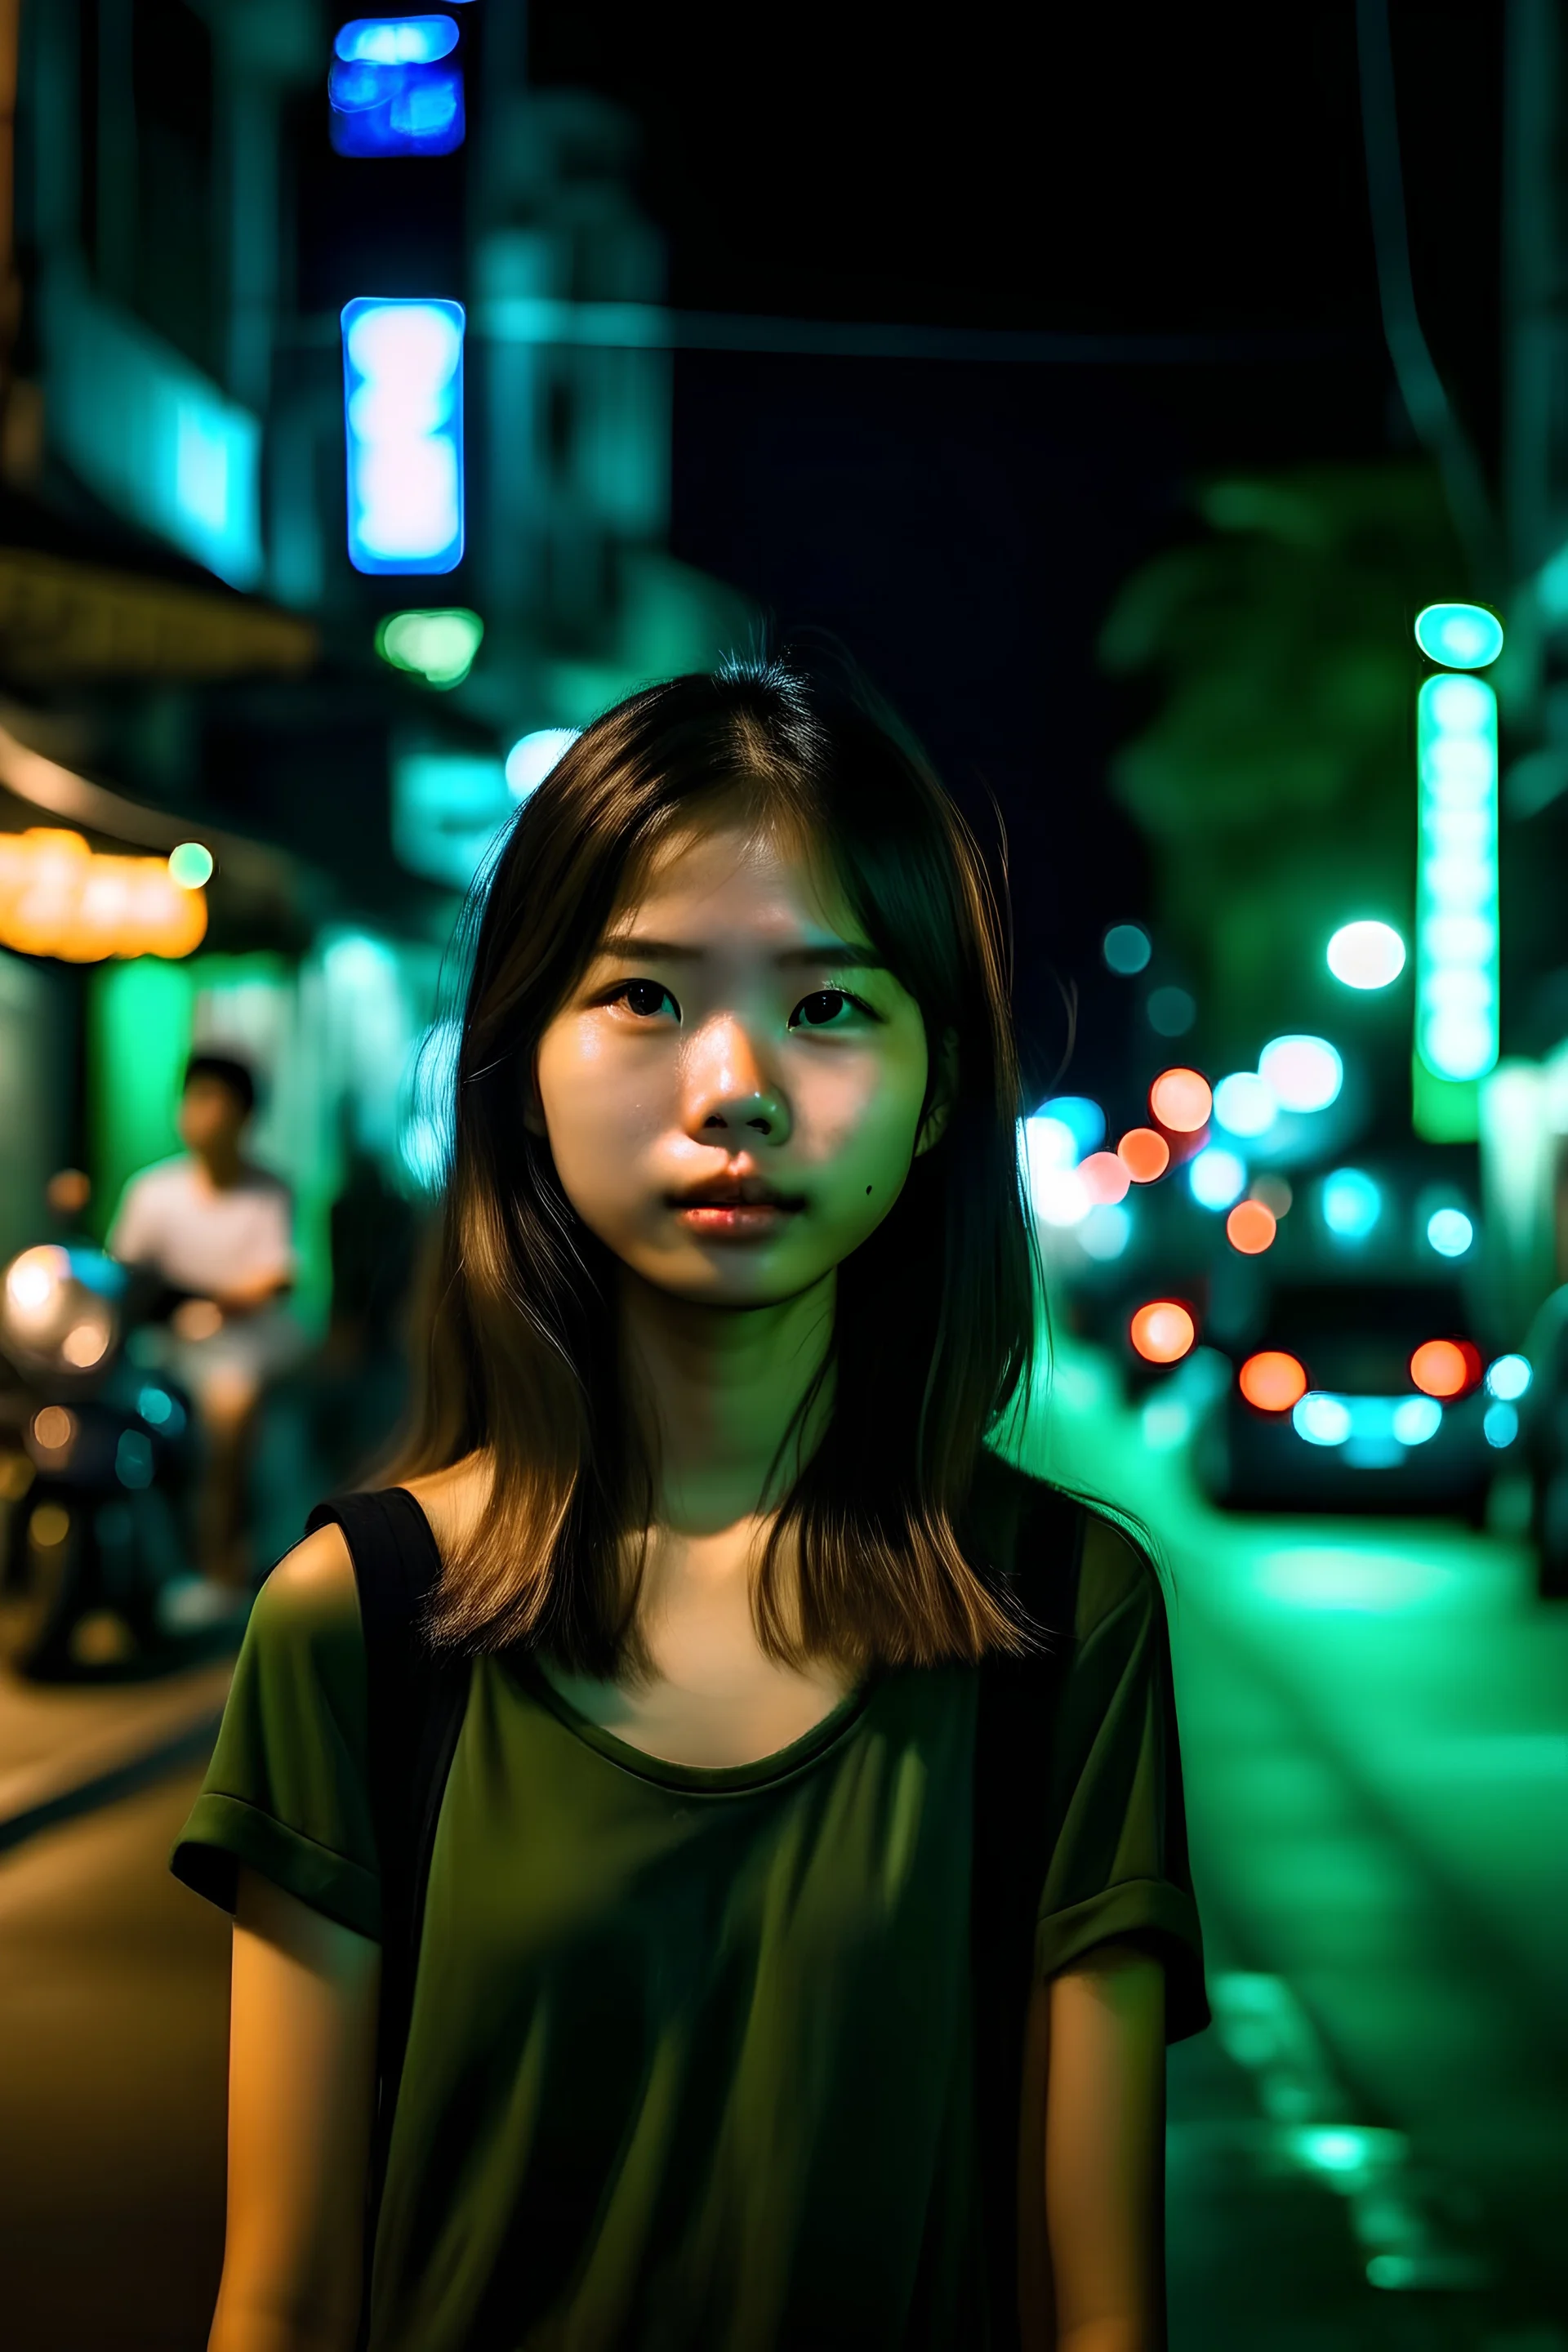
{"x": 403, "y": 395}
{"x": 1457, "y": 911}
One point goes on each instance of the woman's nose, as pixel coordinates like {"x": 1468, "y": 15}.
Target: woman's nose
{"x": 730, "y": 1097}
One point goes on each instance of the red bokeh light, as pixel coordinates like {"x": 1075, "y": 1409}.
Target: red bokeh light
{"x": 1272, "y": 1381}
{"x": 1163, "y": 1331}
{"x": 1180, "y": 1100}
{"x": 1442, "y": 1367}
{"x": 1250, "y": 1227}
{"x": 1143, "y": 1154}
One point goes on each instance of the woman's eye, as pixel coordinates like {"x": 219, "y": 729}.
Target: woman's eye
{"x": 822, "y": 1008}
{"x": 645, "y": 998}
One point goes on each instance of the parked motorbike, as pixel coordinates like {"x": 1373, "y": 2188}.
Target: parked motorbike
{"x": 95, "y": 1464}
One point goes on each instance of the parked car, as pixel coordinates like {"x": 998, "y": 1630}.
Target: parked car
{"x": 1356, "y": 1396}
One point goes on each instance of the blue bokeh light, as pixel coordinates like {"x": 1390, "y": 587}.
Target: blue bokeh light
{"x": 1244, "y": 1104}
{"x": 1351, "y": 1204}
{"x": 1416, "y": 1418}
{"x": 1126, "y": 949}
{"x": 1321, "y": 1420}
{"x": 1217, "y": 1178}
{"x": 402, "y": 391}
{"x": 1084, "y": 1119}
{"x": 1450, "y": 1232}
{"x": 1509, "y": 1378}
{"x": 1501, "y": 1426}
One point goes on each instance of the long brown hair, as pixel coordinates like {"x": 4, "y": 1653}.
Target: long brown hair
{"x": 934, "y": 1316}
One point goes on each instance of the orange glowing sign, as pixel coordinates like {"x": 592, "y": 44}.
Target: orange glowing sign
{"x": 59, "y": 897}
{"x": 1163, "y": 1331}
{"x": 1272, "y": 1381}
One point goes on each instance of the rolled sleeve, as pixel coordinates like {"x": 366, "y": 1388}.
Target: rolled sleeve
{"x": 1118, "y": 1869}
{"x": 286, "y": 1793}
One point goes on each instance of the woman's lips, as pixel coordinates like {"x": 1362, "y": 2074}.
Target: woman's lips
{"x": 735, "y": 1219}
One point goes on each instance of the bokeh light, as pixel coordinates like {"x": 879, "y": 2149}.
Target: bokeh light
{"x": 1272, "y": 1381}
{"x": 1461, "y": 636}
{"x": 1126, "y": 949}
{"x": 1180, "y": 1100}
{"x": 1321, "y": 1420}
{"x": 532, "y": 758}
{"x": 1366, "y": 955}
{"x": 1163, "y": 1331}
{"x": 1059, "y": 1196}
{"x": 1106, "y": 1231}
{"x": 1170, "y": 1011}
{"x": 1216, "y": 1177}
{"x": 1500, "y": 1424}
{"x": 1440, "y": 1367}
{"x": 1509, "y": 1378}
{"x": 1144, "y": 1154}
{"x": 191, "y": 865}
{"x": 1104, "y": 1176}
{"x": 439, "y": 646}
{"x": 1244, "y": 1104}
{"x": 1250, "y": 1228}
{"x": 1416, "y": 1418}
{"x": 1085, "y": 1118}
{"x": 1450, "y": 1232}
{"x": 1302, "y": 1074}
{"x": 1351, "y": 1204}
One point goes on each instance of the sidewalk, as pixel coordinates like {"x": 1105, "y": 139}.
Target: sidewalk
{"x": 65, "y": 1749}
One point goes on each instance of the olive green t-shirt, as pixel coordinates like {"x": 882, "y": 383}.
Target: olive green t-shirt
{"x": 689, "y": 2066}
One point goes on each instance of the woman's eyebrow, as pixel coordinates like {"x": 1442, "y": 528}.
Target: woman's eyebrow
{"x": 839, "y": 952}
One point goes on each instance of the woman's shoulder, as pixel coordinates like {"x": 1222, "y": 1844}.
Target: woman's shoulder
{"x": 311, "y": 1596}
{"x": 1049, "y": 1539}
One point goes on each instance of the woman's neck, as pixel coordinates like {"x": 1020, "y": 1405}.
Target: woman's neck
{"x": 715, "y": 1388}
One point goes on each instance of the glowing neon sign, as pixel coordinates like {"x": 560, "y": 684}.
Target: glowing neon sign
{"x": 1457, "y": 916}
{"x": 402, "y": 391}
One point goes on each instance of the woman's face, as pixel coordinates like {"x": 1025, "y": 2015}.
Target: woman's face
{"x": 732, "y": 1093}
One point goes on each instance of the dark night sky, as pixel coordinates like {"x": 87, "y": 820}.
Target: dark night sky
{"x": 962, "y": 527}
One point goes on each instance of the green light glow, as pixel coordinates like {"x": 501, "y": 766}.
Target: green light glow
{"x": 1366, "y": 955}
{"x": 191, "y": 865}
{"x": 439, "y": 646}
{"x": 1461, "y": 636}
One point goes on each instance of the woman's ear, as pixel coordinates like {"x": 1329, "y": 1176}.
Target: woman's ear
{"x": 943, "y": 1093}
{"x": 532, "y": 1108}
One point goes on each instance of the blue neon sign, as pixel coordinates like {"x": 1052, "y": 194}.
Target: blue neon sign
{"x": 403, "y": 395}
{"x": 389, "y": 92}
{"x": 397, "y": 40}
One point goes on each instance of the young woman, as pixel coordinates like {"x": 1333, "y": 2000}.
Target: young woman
{"x": 779, "y": 1950}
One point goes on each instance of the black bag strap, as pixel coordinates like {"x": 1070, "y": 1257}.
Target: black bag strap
{"x": 1030, "y": 1539}
{"x": 415, "y": 1699}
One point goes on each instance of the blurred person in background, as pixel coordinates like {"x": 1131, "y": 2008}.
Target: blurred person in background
{"x": 218, "y": 1231}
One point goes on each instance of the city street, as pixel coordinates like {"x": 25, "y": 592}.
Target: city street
{"x": 1366, "y": 2151}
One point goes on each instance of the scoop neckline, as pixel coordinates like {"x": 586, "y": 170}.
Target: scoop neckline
{"x": 702, "y": 1780}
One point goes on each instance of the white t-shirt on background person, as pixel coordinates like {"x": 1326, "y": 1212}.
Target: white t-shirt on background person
{"x": 200, "y": 1237}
